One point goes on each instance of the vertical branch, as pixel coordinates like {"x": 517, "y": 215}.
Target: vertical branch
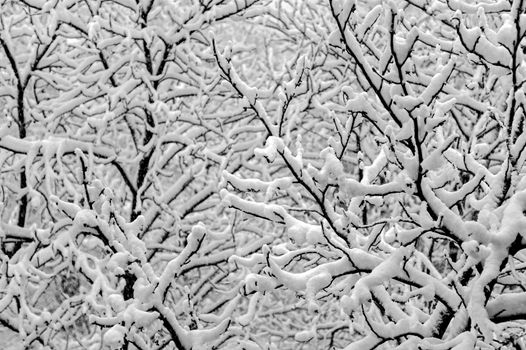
{"x": 150, "y": 123}
{"x": 22, "y": 133}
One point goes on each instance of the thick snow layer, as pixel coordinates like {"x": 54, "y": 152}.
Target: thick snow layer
{"x": 114, "y": 337}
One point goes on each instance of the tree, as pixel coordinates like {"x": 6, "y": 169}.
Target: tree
{"x": 263, "y": 174}
{"x": 397, "y": 198}
{"x": 114, "y": 135}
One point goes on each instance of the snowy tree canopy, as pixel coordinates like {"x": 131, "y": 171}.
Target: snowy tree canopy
{"x": 262, "y": 174}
